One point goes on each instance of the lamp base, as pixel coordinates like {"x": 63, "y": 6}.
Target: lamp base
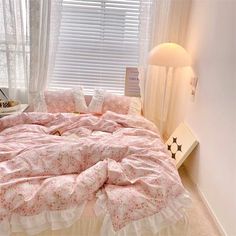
{"x": 164, "y": 101}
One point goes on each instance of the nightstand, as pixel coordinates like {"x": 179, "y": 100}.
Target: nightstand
{"x": 22, "y": 108}
{"x": 181, "y": 143}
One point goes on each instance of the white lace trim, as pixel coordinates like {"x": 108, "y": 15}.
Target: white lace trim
{"x": 55, "y": 220}
{"x": 174, "y": 212}
{"x": 135, "y": 107}
{"x": 80, "y": 103}
{"x": 96, "y": 103}
{"x": 32, "y": 225}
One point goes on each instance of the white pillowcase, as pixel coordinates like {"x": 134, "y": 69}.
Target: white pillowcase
{"x": 80, "y": 103}
{"x": 96, "y": 103}
{"x": 135, "y": 107}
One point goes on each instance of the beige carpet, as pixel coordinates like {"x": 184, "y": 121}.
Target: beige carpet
{"x": 200, "y": 221}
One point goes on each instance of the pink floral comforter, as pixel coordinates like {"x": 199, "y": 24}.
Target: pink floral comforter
{"x": 121, "y": 155}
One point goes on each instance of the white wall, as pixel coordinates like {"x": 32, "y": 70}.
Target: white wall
{"x": 212, "y": 115}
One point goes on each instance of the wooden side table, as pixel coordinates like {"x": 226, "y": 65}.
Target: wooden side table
{"x": 181, "y": 143}
{"x": 22, "y": 108}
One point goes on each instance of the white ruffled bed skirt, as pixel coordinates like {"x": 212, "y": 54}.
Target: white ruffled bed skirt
{"x": 81, "y": 221}
{"x": 92, "y": 227}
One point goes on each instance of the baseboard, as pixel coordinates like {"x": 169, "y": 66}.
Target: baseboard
{"x": 208, "y": 207}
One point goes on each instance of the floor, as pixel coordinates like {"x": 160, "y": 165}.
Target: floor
{"x": 200, "y": 221}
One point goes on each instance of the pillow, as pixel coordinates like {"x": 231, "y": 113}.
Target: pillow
{"x": 70, "y": 100}
{"x": 121, "y": 104}
{"x": 135, "y": 107}
{"x": 54, "y": 101}
{"x": 79, "y": 99}
{"x": 96, "y": 103}
{"x": 60, "y": 101}
{"x": 73, "y": 100}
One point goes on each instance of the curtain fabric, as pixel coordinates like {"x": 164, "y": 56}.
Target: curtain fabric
{"x": 167, "y": 21}
{"x": 144, "y": 41}
{"x": 14, "y": 47}
{"x": 44, "y": 26}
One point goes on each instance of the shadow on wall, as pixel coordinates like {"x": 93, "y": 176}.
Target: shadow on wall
{"x": 180, "y": 98}
{"x": 193, "y": 160}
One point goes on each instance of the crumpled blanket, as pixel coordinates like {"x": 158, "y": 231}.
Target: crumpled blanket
{"x": 52, "y": 162}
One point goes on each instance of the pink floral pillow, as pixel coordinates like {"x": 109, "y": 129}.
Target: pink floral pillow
{"x": 121, "y": 104}
{"x": 75, "y": 101}
{"x": 59, "y": 101}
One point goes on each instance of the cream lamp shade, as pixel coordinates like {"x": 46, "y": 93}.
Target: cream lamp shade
{"x": 169, "y": 55}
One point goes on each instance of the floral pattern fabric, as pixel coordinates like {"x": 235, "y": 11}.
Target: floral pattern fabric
{"x": 60, "y": 101}
{"x": 75, "y": 101}
{"x": 53, "y": 162}
{"x": 116, "y": 103}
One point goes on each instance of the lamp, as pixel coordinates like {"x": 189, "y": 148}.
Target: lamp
{"x": 168, "y": 55}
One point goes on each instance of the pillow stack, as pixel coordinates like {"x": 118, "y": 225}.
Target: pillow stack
{"x": 73, "y": 100}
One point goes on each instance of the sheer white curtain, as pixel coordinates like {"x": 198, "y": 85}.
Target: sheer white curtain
{"x": 14, "y": 47}
{"x": 44, "y": 26}
{"x": 161, "y": 21}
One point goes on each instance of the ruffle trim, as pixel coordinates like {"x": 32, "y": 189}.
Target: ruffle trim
{"x": 32, "y": 225}
{"x": 56, "y": 220}
{"x": 173, "y": 213}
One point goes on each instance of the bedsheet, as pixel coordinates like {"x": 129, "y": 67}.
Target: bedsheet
{"x": 51, "y": 163}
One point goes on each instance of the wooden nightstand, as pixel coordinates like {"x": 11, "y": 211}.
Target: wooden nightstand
{"x": 181, "y": 143}
{"x": 22, "y": 108}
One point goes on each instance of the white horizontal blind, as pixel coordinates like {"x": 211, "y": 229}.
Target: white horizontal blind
{"x": 98, "y": 39}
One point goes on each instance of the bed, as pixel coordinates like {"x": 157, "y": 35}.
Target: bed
{"x": 87, "y": 174}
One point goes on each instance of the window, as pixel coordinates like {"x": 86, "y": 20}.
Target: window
{"x": 14, "y": 43}
{"x": 98, "y": 39}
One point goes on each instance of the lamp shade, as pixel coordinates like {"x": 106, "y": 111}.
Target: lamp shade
{"x": 169, "y": 55}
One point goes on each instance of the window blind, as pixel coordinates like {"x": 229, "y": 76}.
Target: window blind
{"x": 98, "y": 39}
